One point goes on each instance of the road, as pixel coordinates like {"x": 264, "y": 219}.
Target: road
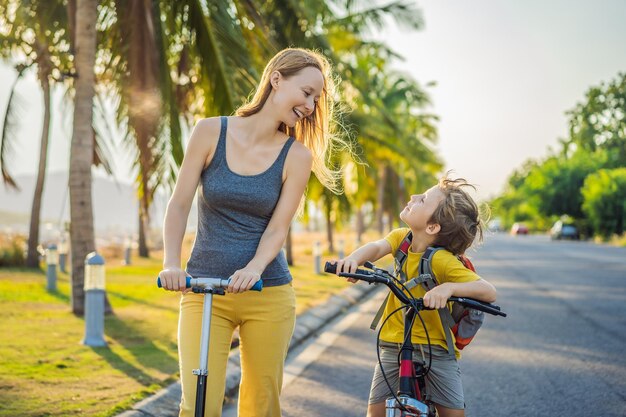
{"x": 560, "y": 352}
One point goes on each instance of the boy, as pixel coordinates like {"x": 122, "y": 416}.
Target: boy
{"x": 446, "y": 216}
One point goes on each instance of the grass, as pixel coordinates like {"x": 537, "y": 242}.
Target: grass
{"x": 46, "y": 371}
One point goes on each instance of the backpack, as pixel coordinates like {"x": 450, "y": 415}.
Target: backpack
{"x": 462, "y": 323}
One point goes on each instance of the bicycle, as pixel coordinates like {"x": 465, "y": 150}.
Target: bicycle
{"x": 409, "y": 401}
{"x": 208, "y": 287}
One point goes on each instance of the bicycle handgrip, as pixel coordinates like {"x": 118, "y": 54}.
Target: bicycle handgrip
{"x": 258, "y": 286}
{"x": 479, "y": 305}
{"x": 331, "y": 268}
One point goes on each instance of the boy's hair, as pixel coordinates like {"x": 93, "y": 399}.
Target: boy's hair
{"x": 458, "y": 215}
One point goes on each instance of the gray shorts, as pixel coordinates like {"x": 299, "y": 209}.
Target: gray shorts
{"x": 443, "y": 382}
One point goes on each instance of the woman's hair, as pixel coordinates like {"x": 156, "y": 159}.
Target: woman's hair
{"x": 458, "y": 215}
{"x": 313, "y": 131}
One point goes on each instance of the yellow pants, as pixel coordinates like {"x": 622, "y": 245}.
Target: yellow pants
{"x": 266, "y": 321}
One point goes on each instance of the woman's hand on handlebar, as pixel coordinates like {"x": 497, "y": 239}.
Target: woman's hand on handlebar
{"x": 173, "y": 279}
{"x": 438, "y": 296}
{"x": 347, "y": 265}
{"x": 242, "y": 280}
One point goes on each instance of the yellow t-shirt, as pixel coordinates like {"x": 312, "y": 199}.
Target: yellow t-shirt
{"x": 447, "y": 268}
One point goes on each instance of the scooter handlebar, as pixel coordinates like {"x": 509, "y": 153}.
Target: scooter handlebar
{"x": 211, "y": 282}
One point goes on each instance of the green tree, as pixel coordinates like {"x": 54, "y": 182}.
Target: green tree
{"x": 34, "y": 36}
{"x": 395, "y": 134}
{"x": 210, "y": 56}
{"x": 168, "y": 61}
{"x": 555, "y": 184}
{"x": 516, "y": 204}
{"x": 599, "y": 123}
{"x": 604, "y": 203}
{"x": 190, "y": 59}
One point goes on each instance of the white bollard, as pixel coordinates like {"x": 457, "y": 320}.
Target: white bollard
{"x": 340, "y": 249}
{"x": 94, "y": 301}
{"x": 62, "y": 256}
{"x": 317, "y": 257}
{"x": 52, "y": 259}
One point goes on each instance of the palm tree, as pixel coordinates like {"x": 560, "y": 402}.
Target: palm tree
{"x": 139, "y": 93}
{"x": 36, "y": 35}
{"x": 395, "y": 133}
{"x": 218, "y": 48}
{"x": 82, "y": 148}
{"x": 380, "y": 100}
{"x": 186, "y": 59}
{"x": 8, "y": 127}
{"x": 338, "y": 28}
{"x": 166, "y": 60}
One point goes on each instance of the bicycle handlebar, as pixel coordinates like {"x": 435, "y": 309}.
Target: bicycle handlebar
{"x": 212, "y": 282}
{"x": 376, "y": 277}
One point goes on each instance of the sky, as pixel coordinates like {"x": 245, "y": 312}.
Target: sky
{"x": 505, "y": 71}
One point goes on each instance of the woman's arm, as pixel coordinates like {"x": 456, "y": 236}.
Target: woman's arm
{"x": 199, "y": 151}
{"x": 298, "y": 169}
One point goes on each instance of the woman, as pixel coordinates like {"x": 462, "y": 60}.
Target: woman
{"x": 252, "y": 170}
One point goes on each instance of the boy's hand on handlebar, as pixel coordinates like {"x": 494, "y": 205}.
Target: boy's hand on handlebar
{"x": 347, "y": 265}
{"x": 173, "y": 279}
{"x": 438, "y": 296}
{"x": 242, "y": 280}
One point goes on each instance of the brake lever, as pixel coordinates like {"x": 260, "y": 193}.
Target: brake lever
{"x": 376, "y": 269}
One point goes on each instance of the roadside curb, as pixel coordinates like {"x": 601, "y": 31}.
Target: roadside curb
{"x": 165, "y": 402}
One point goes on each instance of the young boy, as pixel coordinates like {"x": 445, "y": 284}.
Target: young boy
{"x": 446, "y": 216}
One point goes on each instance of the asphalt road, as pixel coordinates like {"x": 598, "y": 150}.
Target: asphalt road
{"x": 560, "y": 352}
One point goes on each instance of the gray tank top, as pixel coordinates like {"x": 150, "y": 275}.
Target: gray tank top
{"x": 233, "y": 212}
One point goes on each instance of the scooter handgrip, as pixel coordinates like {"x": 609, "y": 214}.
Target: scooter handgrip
{"x": 187, "y": 282}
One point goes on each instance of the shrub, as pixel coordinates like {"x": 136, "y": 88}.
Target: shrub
{"x": 12, "y": 251}
{"x": 604, "y": 202}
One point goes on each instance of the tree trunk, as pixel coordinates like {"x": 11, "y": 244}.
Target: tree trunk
{"x": 143, "y": 241}
{"x": 329, "y": 226}
{"x": 403, "y": 197}
{"x": 360, "y": 225}
{"x": 289, "y": 248}
{"x": 71, "y": 23}
{"x": 32, "y": 257}
{"x": 380, "y": 198}
{"x": 81, "y": 153}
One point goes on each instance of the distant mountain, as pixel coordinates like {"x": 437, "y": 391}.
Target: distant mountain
{"x": 115, "y": 205}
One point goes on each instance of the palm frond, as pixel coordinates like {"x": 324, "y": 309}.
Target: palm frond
{"x": 221, "y": 54}
{"x": 101, "y": 152}
{"x": 103, "y": 138}
{"x": 9, "y": 130}
{"x": 406, "y": 14}
{"x": 168, "y": 92}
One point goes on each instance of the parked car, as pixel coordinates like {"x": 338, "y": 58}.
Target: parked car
{"x": 519, "y": 229}
{"x": 561, "y": 230}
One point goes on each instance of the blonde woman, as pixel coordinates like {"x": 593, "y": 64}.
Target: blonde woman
{"x": 251, "y": 171}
